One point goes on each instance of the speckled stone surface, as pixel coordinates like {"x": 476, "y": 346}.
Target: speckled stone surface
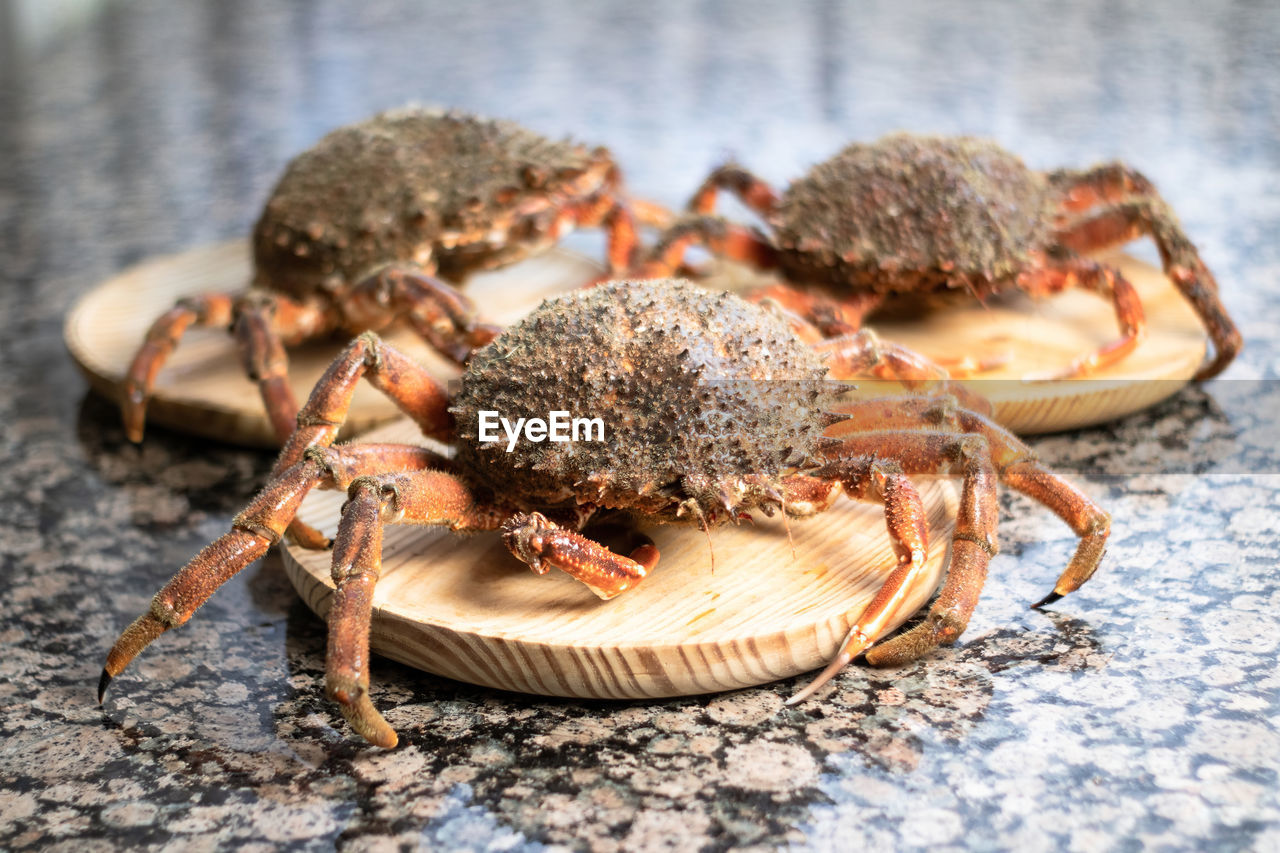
{"x": 1140, "y": 712}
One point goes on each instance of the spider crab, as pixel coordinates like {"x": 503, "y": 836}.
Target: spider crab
{"x": 716, "y": 407}
{"x": 920, "y": 215}
{"x": 358, "y": 226}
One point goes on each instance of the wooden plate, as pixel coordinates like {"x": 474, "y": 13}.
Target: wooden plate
{"x": 202, "y": 389}
{"x": 1039, "y": 337}
{"x": 465, "y": 608}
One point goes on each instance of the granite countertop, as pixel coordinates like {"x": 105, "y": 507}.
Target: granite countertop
{"x": 1139, "y": 712}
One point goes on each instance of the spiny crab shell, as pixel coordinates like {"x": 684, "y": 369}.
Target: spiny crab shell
{"x": 420, "y": 185}
{"x": 707, "y": 400}
{"x": 908, "y": 212}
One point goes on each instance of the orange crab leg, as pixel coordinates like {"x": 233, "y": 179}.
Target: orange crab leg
{"x": 262, "y": 324}
{"x": 1121, "y": 223}
{"x": 650, "y": 213}
{"x": 623, "y": 239}
{"x": 619, "y": 223}
{"x": 1015, "y": 463}
{"x": 1086, "y": 519}
{"x": 405, "y": 382}
{"x": 1077, "y": 271}
{"x": 357, "y": 562}
{"x": 973, "y": 542}
{"x": 865, "y": 478}
{"x": 752, "y": 191}
{"x": 206, "y": 310}
{"x": 831, "y": 317}
{"x": 719, "y": 236}
{"x": 441, "y": 314}
{"x": 607, "y": 208}
{"x": 864, "y": 354}
{"x": 419, "y": 497}
{"x": 540, "y": 542}
{"x": 1103, "y": 184}
{"x": 264, "y": 360}
{"x": 252, "y": 532}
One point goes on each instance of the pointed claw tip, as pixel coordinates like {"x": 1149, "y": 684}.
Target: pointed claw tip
{"x": 805, "y": 693}
{"x": 133, "y": 432}
{"x": 1047, "y": 600}
{"x": 103, "y": 681}
{"x": 841, "y": 660}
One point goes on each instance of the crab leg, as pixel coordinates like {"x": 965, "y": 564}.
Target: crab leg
{"x": 605, "y": 207}
{"x": 405, "y": 382}
{"x": 752, "y": 191}
{"x": 252, "y": 532}
{"x": 866, "y": 478}
{"x": 419, "y": 497}
{"x": 623, "y": 239}
{"x": 263, "y": 323}
{"x": 1127, "y": 221}
{"x": 1103, "y": 184}
{"x": 1106, "y": 281}
{"x": 205, "y": 310}
{"x": 257, "y": 329}
{"x": 858, "y": 468}
{"x": 616, "y": 218}
{"x": 831, "y": 317}
{"x": 650, "y": 213}
{"x": 863, "y": 353}
{"x": 540, "y": 542}
{"x": 438, "y": 312}
{"x": 719, "y": 236}
{"x": 973, "y": 542}
{"x": 1015, "y": 464}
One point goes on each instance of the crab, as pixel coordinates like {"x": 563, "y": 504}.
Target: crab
{"x": 924, "y": 215}
{"x": 715, "y": 408}
{"x": 359, "y": 225}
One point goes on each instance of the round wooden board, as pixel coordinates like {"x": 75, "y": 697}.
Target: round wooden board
{"x": 464, "y": 607}
{"x": 1039, "y": 337}
{"x": 202, "y": 389}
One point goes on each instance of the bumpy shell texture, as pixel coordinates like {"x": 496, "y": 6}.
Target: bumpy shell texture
{"x": 706, "y": 400}
{"x": 907, "y": 209}
{"x": 398, "y": 186}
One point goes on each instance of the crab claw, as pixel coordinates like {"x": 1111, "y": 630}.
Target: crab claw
{"x": 540, "y": 542}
